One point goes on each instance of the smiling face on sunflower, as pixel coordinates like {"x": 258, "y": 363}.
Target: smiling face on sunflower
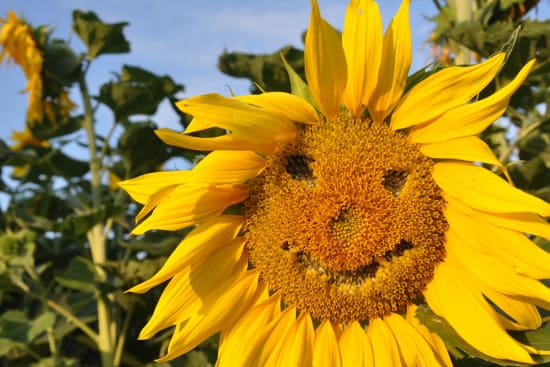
{"x": 359, "y": 203}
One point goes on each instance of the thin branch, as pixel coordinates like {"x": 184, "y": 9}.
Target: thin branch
{"x": 74, "y": 319}
{"x": 122, "y": 337}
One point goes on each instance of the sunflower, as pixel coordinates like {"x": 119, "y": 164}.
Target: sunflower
{"x": 18, "y": 45}
{"x": 356, "y": 205}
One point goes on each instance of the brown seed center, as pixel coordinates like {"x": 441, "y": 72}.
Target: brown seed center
{"x": 346, "y": 221}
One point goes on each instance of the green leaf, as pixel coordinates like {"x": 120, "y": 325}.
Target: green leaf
{"x": 136, "y": 92}
{"x": 141, "y": 149}
{"x": 78, "y": 224}
{"x": 197, "y": 358}
{"x": 79, "y": 275}
{"x": 297, "y": 85}
{"x": 15, "y": 326}
{"x": 266, "y": 70}
{"x": 510, "y": 43}
{"x": 46, "y": 162}
{"x": 154, "y": 243}
{"x": 56, "y": 362}
{"x": 99, "y": 37}
{"x": 17, "y": 248}
{"x": 41, "y": 324}
{"x": 66, "y": 166}
{"x": 5, "y": 152}
{"x": 50, "y": 129}
{"x": 540, "y": 338}
{"x": 533, "y": 174}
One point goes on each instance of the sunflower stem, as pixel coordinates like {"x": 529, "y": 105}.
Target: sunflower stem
{"x": 96, "y": 235}
{"x": 463, "y": 13}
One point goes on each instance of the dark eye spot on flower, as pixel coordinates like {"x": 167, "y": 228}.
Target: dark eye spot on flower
{"x": 394, "y": 181}
{"x": 398, "y": 251}
{"x": 402, "y": 246}
{"x": 298, "y": 166}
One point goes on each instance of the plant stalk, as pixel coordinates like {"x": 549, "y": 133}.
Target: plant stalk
{"x": 463, "y": 10}
{"x": 96, "y": 235}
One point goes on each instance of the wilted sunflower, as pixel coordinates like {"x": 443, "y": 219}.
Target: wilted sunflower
{"x": 350, "y": 216}
{"x": 18, "y": 45}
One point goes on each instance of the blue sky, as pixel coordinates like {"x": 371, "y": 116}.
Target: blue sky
{"x": 183, "y": 38}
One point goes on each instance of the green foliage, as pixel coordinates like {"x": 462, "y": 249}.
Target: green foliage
{"x": 66, "y": 257}
{"x": 266, "y": 71}
{"x": 99, "y": 38}
{"x": 80, "y": 275}
{"x": 298, "y": 86}
{"x": 136, "y": 92}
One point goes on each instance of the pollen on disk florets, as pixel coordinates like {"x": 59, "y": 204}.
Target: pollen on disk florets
{"x": 346, "y": 220}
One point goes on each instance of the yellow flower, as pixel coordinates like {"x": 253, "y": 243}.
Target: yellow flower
{"x": 351, "y": 215}
{"x": 58, "y": 109}
{"x": 18, "y": 45}
{"x": 25, "y": 138}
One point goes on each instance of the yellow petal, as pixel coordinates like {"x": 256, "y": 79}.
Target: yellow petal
{"x": 355, "y": 347}
{"x": 155, "y": 199}
{"x": 433, "y": 339}
{"x": 472, "y": 318}
{"x": 228, "y": 167}
{"x": 190, "y": 204}
{"x": 191, "y": 288}
{"x": 522, "y": 222}
{"x": 326, "y": 352}
{"x": 523, "y": 313}
{"x": 469, "y": 148}
{"x": 325, "y": 63}
{"x": 195, "y": 248}
{"x": 276, "y": 340}
{"x": 442, "y": 91}
{"x": 384, "y": 345}
{"x": 480, "y": 189}
{"x": 472, "y": 118}
{"x": 396, "y": 60}
{"x": 362, "y": 43}
{"x": 509, "y": 246}
{"x": 414, "y": 349}
{"x": 496, "y": 274}
{"x": 142, "y": 187}
{"x": 298, "y": 345}
{"x": 227, "y": 142}
{"x": 243, "y": 119}
{"x": 289, "y": 105}
{"x": 224, "y": 313}
{"x": 245, "y": 340}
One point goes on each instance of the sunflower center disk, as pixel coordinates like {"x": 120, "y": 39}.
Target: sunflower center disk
{"x": 346, "y": 221}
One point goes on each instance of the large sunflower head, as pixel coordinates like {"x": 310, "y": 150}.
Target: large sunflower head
{"x": 358, "y": 204}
